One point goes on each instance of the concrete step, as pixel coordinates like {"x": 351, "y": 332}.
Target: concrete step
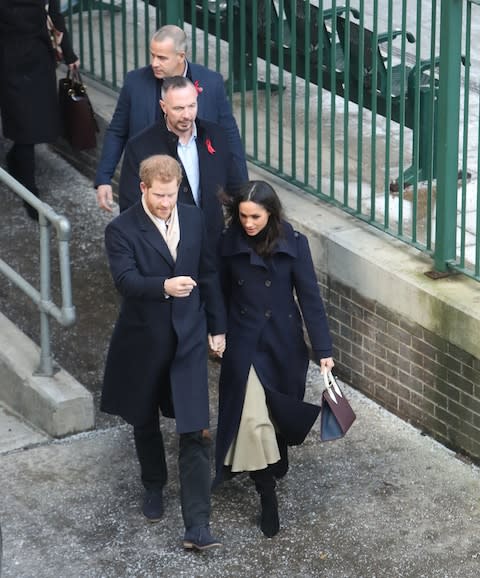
{"x": 16, "y": 433}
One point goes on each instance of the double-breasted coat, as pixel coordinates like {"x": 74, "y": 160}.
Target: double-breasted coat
{"x": 28, "y": 83}
{"x": 153, "y": 331}
{"x": 264, "y": 329}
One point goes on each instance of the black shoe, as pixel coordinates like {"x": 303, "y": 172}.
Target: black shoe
{"x": 152, "y": 506}
{"x": 200, "y": 538}
{"x": 269, "y": 520}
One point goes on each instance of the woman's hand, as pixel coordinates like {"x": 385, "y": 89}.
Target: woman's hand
{"x": 74, "y": 65}
{"x": 326, "y": 364}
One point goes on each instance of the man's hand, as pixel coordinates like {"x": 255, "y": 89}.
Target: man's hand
{"x": 217, "y": 344}
{"x": 179, "y": 286}
{"x": 105, "y": 197}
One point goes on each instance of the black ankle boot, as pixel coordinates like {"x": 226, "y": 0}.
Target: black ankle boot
{"x": 269, "y": 520}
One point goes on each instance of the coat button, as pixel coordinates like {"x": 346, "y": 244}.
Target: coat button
{"x": 242, "y": 311}
{"x": 240, "y": 282}
{"x": 268, "y": 313}
{"x": 268, "y": 283}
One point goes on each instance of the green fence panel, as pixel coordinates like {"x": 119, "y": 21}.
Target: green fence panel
{"x": 372, "y": 106}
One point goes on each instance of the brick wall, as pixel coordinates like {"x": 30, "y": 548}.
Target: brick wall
{"x": 410, "y": 371}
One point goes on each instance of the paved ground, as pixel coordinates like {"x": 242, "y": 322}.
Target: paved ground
{"x": 385, "y": 502}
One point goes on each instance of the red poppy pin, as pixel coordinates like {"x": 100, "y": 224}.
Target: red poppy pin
{"x": 198, "y": 88}
{"x": 209, "y": 146}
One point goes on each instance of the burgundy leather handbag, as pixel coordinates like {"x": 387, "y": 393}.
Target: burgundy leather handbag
{"x": 336, "y": 415}
{"x": 79, "y": 124}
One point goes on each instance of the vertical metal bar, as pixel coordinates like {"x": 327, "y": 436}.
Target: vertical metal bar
{"x": 432, "y": 121}
{"x": 306, "y": 103}
{"x": 46, "y": 365}
{"x": 374, "y": 77}
{"x": 102, "y": 42}
{"x": 388, "y": 120}
{"x": 346, "y": 107}
{"x": 466, "y": 118}
{"x": 193, "y": 40}
{"x": 205, "y": 24}
{"x": 321, "y": 50}
{"x": 114, "y": 43}
{"x": 360, "y": 76}
{"x": 243, "y": 68}
{"x": 292, "y": 32}
{"x": 172, "y": 12}
{"x": 416, "y": 124}
{"x": 401, "y": 155}
{"x": 146, "y": 36}
{"x": 449, "y": 110}
{"x": 332, "y": 96}
{"x": 254, "y": 72}
{"x": 268, "y": 86}
{"x": 218, "y": 34}
{"x": 280, "y": 43}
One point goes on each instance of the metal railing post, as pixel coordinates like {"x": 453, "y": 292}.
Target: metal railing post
{"x": 46, "y": 363}
{"x": 172, "y": 12}
{"x": 448, "y": 133}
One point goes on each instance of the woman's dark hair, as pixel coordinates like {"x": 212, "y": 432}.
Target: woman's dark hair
{"x": 262, "y": 194}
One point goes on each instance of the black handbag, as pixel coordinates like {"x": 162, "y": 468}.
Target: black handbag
{"x": 336, "y": 415}
{"x": 78, "y": 119}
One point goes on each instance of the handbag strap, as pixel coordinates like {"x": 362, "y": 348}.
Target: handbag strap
{"x": 331, "y": 386}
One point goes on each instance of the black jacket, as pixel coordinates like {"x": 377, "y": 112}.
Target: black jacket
{"x": 28, "y": 83}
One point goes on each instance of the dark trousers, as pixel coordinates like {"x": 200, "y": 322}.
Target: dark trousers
{"x": 21, "y": 165}
{"x": 193, "y": 467}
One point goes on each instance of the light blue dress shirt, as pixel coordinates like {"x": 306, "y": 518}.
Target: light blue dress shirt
{"x": 188, "y": 155}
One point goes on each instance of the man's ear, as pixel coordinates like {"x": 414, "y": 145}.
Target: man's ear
{"x": 162, "y": 105}
{"x": 143, "y": 187}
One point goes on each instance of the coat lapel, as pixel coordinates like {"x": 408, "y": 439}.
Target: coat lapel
{"x": 153, "y": 235}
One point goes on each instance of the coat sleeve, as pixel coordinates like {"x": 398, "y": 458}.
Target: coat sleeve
{"x": 128, "y": 279}
{"x": 59, "y": 22}
{"x": 210, "y": 290}
{"x": 116, "y": 136}
{"x": 129, "y": 185}
{"x": 310, "y": 301}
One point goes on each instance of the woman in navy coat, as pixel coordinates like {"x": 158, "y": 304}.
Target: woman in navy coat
{"x": 264, "y": 264}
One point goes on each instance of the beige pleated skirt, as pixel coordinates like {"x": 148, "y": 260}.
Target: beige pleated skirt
{"x": 255, "y": 445}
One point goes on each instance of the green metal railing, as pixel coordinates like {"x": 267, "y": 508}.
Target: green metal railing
{"x": 372, "y": 105}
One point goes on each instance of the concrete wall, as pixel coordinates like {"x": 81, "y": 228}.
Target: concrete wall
{"x": 405, "y": 340}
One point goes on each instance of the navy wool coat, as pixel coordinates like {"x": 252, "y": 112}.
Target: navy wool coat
{"x": 265, "y": 330}
{"x": 153, "y": 331}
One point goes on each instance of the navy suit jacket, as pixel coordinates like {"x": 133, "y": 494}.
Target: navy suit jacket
{"x": 158, "y": 351}
{"x": 217, "y": 171}
{"x": 137, "y": 108}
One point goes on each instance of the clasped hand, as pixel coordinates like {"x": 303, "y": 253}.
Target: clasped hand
{"x": 217, "y": 344}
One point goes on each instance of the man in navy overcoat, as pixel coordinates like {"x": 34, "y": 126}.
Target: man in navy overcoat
{"x": 171, "y": 302}
{"x": 210, "y": 163}
{"x": 138, "y": 105}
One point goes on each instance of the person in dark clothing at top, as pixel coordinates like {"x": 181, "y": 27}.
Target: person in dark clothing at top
{"x": 28, "y": 83}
